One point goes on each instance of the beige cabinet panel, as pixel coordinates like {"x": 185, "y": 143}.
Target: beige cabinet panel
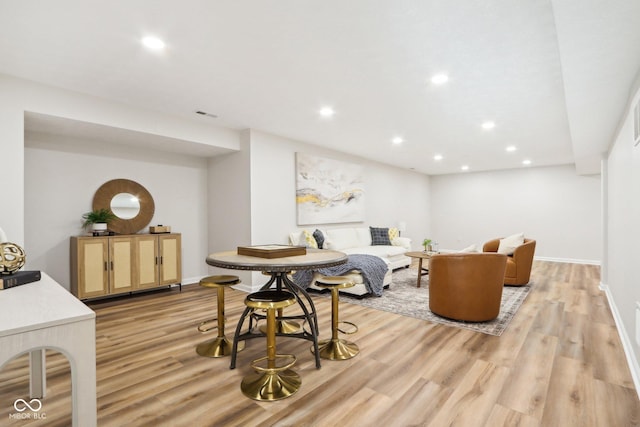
{"x": 121, "y": 264}
{"x": 147, "y": 261}
{"x": 89, "y": 270}
{"x": 170, "y": 259}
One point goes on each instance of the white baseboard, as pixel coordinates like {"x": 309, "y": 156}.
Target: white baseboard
{"x": 550, "y": 259}
{"x": 627, "y": 344}
{"x": 191, "y": 280}
{"x": 568, "y": 260}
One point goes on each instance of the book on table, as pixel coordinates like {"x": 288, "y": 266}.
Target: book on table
{"x": 19, "y": 278}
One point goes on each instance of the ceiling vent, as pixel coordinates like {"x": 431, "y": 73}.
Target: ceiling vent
{"x": 204, "y": 113}
{"x": 636, "y": 123}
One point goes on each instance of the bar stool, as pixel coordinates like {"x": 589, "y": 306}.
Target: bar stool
{"x": 283, "y": 326}
{"x": 219, "y": 346}
{"x": 271, "y": 382}
{"x": 335, "y": 348}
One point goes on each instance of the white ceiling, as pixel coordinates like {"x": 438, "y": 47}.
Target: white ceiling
{"x": 555, "y": 76}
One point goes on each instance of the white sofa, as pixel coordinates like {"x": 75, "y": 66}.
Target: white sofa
{"x": 357, "y": 240}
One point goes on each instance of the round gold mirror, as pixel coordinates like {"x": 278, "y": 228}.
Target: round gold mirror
{"x": 129, "y": 201}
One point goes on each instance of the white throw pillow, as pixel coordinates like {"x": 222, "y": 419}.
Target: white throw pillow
{"x": 509, "y": 244}
{"x": 294, "y": 237}
{"x": 404, "y": 242}
{"x": 364, "y": 237}
{"x": 341, "y": 238}
{"x": 469, "y": 249}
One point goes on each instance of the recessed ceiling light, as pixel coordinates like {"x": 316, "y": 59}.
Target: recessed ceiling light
{"x": 326, "y": 112}
{"x": 153, "y": 43}
{"x": 397, "y": 140}
{"x": 488, "y": 125}
{"x": 526, "y": 162}
{"x": 465, "y": 167}
{"x": 439, "y": 79}
{"x": 438, "y": 157}
{"x": 511, "y": 148}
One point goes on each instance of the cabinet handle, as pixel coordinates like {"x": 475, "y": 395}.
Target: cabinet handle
{"x": 105, "y": 266}
{"x": 112, "y": 265}
{"x": 161, "y": 259}
{"x": 156, "y": 260}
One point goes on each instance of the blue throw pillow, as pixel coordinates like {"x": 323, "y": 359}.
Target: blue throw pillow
{"x": 380, "y": 236}
{"x": 319, "y": 238}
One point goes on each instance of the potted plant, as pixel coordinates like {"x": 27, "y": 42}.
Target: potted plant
{"x": 98, "y": 219}
{"x": 427, "y": 244}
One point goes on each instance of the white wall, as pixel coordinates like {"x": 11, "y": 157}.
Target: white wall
{"x": 553, "y": 205}
{"x": 62, "y": 175}
{"x": 229, "y": 200}
{"x": 623, "y": 228}
{"x": 18, "y": 96}
{"x": 392, "y": 194}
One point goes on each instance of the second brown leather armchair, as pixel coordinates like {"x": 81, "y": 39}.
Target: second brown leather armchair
{"x": 519, "y": 264}
{"x": 466, "y": 286}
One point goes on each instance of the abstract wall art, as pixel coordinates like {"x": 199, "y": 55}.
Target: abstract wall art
{"x": 328, "y": 191}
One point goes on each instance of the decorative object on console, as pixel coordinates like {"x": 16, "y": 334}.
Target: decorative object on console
{"x": 131, "y": 203}
{"x": 12, "y": 258}
{"x": 328, "y": 191}
{"x": 158, "y": 229}
{"x": 98, "y": 219}
{"x": 3, "y": 236}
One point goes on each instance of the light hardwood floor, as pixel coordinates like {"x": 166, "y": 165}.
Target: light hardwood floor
{"x": 559, "y": 363}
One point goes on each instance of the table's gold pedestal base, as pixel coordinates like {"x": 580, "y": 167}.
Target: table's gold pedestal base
{"x": 337, "y": 349}
{"x": 271, "y": 385}
{"x": 217, "y": 347}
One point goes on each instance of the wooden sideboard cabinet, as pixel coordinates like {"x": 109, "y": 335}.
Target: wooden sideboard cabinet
{"x": 111, "y": 265}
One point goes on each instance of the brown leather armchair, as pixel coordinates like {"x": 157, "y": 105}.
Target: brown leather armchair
{"x": 466, "y": 286}
{"x": 519, "y": 264}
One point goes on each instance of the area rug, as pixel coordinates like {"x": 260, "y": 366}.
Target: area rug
{"x": 405, "y": 299}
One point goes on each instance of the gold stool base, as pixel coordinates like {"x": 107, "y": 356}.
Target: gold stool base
{"x": 283, "y": 327}
{"x": 337, "y": 349}
{"x": 271, "y": 386}
{"x": 217, "y": 347}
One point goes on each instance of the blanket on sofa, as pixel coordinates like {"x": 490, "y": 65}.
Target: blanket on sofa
{"x": 372, "y": 268}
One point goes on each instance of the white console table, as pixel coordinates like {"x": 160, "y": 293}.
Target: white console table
{"x": 42, "y": 315}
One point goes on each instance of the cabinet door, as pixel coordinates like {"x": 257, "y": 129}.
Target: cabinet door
{"x": 121, "y": 264}
{"x": 93, "y": 273}
{"x": 147, "y": 261}
{"x": 170, "y": 259}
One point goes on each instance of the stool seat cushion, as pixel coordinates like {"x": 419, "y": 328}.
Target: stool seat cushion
{"x": 220, "y": 280}
{"x": 334, "y": 282}
{"x": 270, "y": 299}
